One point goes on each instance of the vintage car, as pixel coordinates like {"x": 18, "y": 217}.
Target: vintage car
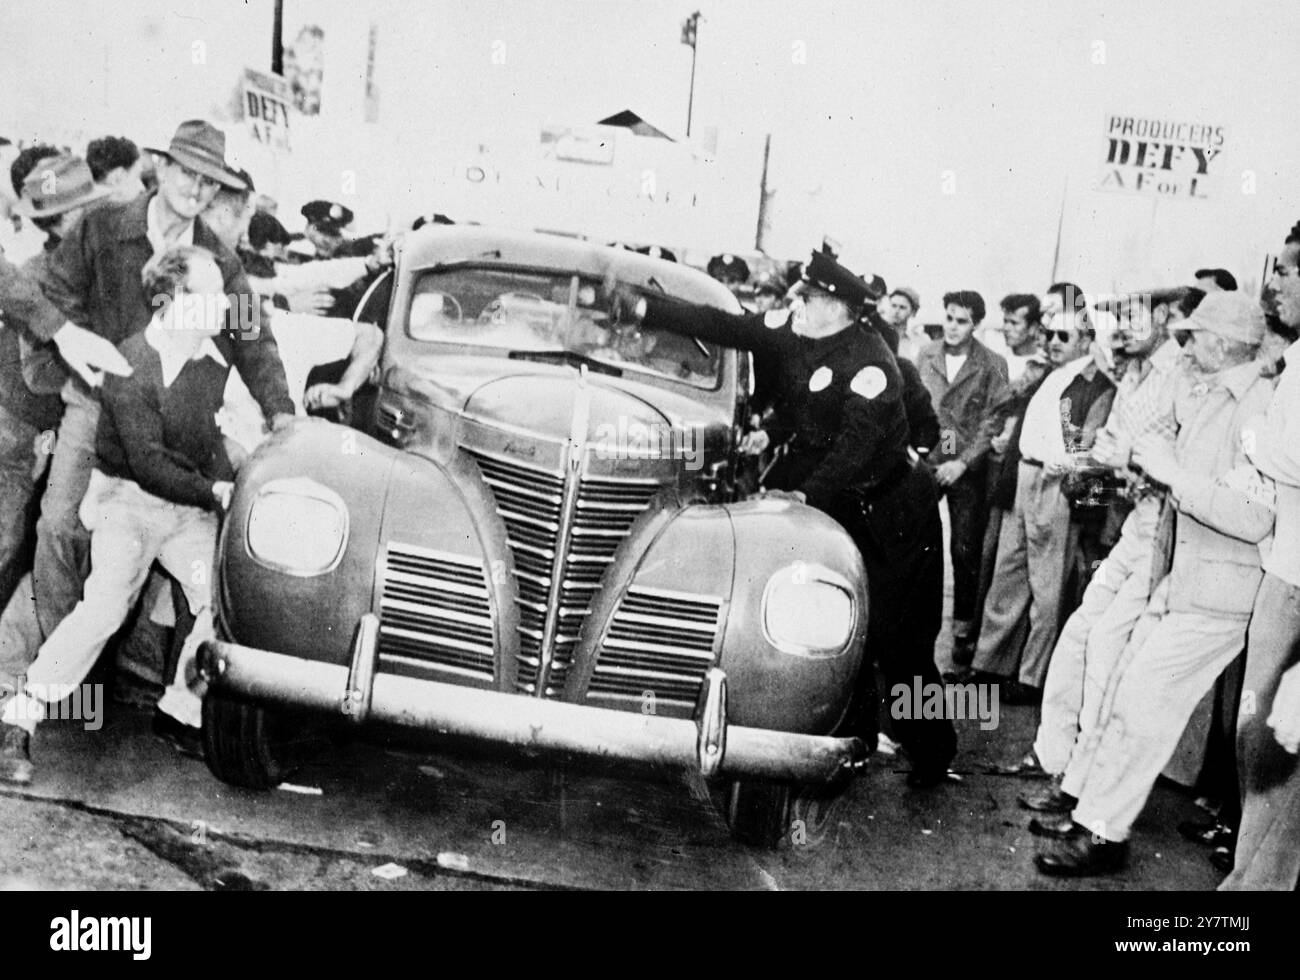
{"x": 537, "y": 542}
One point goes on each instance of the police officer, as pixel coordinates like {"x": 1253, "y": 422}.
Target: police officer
{"x": 840, "y": 410}
{"x": 326, "y": 222}
{"x": 730, "y": 270}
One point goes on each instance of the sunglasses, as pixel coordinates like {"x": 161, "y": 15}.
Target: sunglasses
{"x": 1064, "y": 336}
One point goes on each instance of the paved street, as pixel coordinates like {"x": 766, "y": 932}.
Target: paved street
{"x": 117, "y": 809}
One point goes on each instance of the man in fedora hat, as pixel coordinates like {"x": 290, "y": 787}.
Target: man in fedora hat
{"x": 95, "y": 278}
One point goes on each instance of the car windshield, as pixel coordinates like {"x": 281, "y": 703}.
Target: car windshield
{"x": 542, "y": 314}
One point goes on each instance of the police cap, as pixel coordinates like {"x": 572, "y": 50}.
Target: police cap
{"x": 329, "y": 217}
{"x": 825, "y": 273}
{"x": 728, "y": 268}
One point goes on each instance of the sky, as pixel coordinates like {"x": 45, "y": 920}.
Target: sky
{"x": 941, "y": 143}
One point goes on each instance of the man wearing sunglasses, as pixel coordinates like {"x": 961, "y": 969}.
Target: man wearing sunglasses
{"x": 1064, "y": 414}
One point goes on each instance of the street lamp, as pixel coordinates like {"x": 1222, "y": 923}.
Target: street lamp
{"x": 690, "y": 28}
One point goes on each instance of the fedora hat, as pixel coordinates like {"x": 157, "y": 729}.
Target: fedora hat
{"x": 58, "y": 185}
{"x": 201, "y": 147}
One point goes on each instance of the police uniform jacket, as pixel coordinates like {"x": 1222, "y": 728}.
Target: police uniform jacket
{"x": 839, "y": 401}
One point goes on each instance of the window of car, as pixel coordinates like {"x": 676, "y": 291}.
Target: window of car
{"x": 527, "y": 312}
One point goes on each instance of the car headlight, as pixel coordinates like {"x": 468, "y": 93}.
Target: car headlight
{"x": 297, "y": 526}
{"x": 809, "y": 610}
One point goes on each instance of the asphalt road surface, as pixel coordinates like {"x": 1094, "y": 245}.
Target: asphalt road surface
{"x": 115, "y": 808}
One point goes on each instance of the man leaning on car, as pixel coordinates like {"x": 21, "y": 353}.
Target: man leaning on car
{"x": 841, "y": 414}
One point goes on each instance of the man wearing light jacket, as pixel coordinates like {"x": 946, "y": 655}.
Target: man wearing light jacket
{"x": 1195, "y": 624}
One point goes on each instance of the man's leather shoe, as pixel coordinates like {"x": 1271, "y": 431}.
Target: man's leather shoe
{"x": 15, "y": 756}
{"x": 184, "y": 739}
{"x": 1082, "y": 855}
{"x": 1051, "y": 800}
{"x": 1223, "y": 859}
{"x": 1209, "y": 833}
{"x": 1028, "y": 768}
{"x": 1055, "y": 827}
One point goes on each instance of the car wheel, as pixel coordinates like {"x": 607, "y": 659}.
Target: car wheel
{"x": 773, "y": 815}
{"x": 758, "y": 812}
{"x": 242, "y": 743}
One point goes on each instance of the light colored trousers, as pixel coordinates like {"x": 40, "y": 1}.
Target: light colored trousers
{"x": 1172, "y": 659}
{"x": 1093, "y": 639}
{"x": 1268, "y": 843}
{"x": 130, "y": 529}
{"x": 1029, "y": 575}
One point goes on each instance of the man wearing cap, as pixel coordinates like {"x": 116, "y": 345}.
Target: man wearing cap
{"x": 94, "y": 278}
{"x": 841, "y": 413}
{"x": 1096, "y": 633}
{"x": 899, "y": 310}
{"x": 326, "y": 222}
{"x": 1195, "y": 623}
{"x": 730, "y": 270}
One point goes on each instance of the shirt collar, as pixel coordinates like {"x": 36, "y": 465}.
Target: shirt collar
{"x": 172, "y": 360}
{"x": 154, "y": 232}
{"x": 1238, "y": 380}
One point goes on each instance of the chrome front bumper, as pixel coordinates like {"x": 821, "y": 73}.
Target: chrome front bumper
{"x": 706, "y": 744}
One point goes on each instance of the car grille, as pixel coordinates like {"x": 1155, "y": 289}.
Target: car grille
{"x": 656, "y": 651}
{"x": 530, "y": 500}
{"x": 434, "y": 614}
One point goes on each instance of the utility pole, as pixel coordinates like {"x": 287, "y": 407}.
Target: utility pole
{"x": 277, "y": 39}
{"x": 690, "y": 29}
{"x": 764, "y": 218}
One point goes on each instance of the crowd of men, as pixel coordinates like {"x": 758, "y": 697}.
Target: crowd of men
{"x": 1121, "y": 479}
{"x": 122, "y": 422}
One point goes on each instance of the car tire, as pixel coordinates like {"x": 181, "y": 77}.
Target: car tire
{"x": 778, "y": 815}
{"x": 239, "y": 744}
{"x": 758, "y": 812}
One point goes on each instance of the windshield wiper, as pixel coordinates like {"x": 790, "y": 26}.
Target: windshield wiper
{"x": 570, "y": 357}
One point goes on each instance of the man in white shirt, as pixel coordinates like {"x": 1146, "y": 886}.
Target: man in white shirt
{"x": 1030, "y": 570}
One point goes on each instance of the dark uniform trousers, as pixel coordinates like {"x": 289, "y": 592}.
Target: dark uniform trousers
{"x": 840, "y": 406}
{"x": 900, "y": 536}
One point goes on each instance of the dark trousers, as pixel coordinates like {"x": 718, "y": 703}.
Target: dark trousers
{"x": 901, "y": 540}
{"x": 968, "y": 517}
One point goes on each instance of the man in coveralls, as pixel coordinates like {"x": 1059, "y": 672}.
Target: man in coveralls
{"x": 839, "y": 407}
